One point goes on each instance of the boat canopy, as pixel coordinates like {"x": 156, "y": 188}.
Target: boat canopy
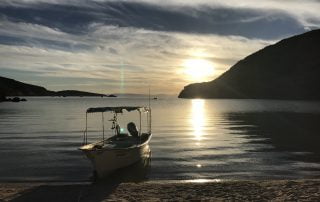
{"x": 117, "y": 109}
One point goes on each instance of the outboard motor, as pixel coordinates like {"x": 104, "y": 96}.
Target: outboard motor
{"x": 132, "y": 128}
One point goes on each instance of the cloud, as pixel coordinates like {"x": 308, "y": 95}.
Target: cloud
{"x": 250, "y": 21}
{"x": 143, "y": 57}
{"x": 123, "y": 46}
{"x": 113, "y": 51}
{"x": 27, "y": 34}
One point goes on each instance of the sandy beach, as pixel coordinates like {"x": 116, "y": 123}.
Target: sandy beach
{"x": 276, "y": 190}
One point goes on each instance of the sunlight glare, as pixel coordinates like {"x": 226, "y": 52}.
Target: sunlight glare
{"x": 198, "y": 69}
{"x": 197, "y": 118}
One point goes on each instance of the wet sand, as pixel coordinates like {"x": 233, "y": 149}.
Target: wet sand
{"x": 276, "y": 190}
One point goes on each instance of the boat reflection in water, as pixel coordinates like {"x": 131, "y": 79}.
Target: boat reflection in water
{"x": 136, "y": 172}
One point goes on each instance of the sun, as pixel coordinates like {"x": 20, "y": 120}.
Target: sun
{"x": 198, "y": 69}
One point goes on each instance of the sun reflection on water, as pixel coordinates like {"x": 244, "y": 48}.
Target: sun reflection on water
{"x": 197, "y": 118}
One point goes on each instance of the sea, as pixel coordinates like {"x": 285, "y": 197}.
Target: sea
{"x": 193, "y": 139}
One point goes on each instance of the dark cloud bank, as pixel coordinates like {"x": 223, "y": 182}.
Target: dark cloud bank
{"x": 76, "y": 20}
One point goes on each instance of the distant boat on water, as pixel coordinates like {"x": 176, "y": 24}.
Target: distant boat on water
{"x": 121, "y": 149}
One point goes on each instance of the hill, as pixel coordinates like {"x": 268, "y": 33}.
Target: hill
{"x": 289, "y": 69}
{"x": 76, "y": 93}
{"x": 11, "y": 87}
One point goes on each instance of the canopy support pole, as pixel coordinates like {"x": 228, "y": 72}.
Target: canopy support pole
{"x": 140, "y": 123}
{"x": 102, "y": 128}
{"x": 149, "y": 113}
{"x": 150, "y": 119}
{"x": 86, "y": 131}
{"x": 148, "y": 122}
{"x": 140, "y": 127}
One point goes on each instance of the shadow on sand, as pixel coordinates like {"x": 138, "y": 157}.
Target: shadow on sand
{"x": 94, "y": 191}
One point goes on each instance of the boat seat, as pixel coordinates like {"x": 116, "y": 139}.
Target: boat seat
{"x": 97, "y": 146}
{"x": 132, "y": 128}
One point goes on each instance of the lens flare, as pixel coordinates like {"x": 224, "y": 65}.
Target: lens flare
{"x": 198, "y": 69}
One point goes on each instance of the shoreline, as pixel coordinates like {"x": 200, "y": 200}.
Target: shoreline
{"x": 262, "y": 190}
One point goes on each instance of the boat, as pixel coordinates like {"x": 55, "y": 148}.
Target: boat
{"x": 121, "y": 149}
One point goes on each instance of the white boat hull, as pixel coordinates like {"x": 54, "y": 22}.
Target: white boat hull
{"x": 106, "y": 161}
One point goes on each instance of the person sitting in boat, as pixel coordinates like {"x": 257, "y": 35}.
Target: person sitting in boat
{"x": 132, "y": 128}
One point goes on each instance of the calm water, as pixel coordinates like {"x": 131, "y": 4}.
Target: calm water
{"x": 192, "y": 139}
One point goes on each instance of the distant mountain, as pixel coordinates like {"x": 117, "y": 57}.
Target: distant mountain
{"x": 10, "y": 87}
{"x": 76, "y": 93}
{"x": 136, "y": 95}
{"x": 289, "y": 69}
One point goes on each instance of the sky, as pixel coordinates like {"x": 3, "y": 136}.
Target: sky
{"x": 119, "y": 46}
